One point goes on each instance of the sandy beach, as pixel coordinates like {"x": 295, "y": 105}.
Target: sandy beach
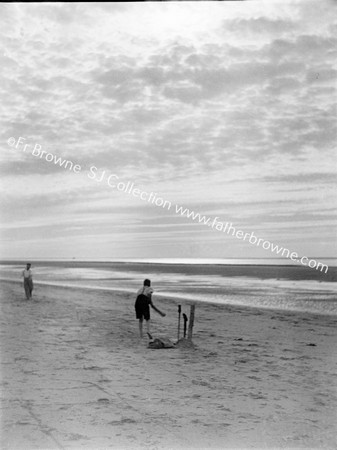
{"x": 74, "y": 374}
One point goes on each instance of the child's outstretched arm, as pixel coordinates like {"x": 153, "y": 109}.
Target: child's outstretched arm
{"x": 157, "y": 310}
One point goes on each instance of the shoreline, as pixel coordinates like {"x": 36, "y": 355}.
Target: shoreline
{"x": 175, "y": 298}
{"x": 290, "y": 272}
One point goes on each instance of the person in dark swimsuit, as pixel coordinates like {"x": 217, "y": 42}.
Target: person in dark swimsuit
{"x": 142, "y": 306}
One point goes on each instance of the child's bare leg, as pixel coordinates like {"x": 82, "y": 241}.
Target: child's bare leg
{"x": 148, "y": 326}
{"x": 141, "y": 327}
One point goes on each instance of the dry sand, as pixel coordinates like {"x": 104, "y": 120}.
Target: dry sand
{"x": 74, "y": 374}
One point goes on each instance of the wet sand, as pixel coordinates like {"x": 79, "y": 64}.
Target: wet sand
{"x": 74, "y": 374}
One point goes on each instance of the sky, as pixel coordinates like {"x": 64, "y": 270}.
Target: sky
{"x": 225, "y": 108}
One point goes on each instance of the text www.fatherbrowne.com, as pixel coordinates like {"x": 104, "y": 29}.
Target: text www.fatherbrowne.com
{"x": 228, "y": 228}
{"x": 153, "y": 198}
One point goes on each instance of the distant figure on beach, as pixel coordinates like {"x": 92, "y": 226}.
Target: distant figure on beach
{"x": 28, "y": 281}
{"x": 142, "y": 307}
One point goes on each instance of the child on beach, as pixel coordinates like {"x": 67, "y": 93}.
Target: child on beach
{"x": 28, "y": 281}
{"x": 142, "y": 307}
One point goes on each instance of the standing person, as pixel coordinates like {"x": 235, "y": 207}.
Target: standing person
{"x": 142, "y": 307}
{"x": 28, "y": 281}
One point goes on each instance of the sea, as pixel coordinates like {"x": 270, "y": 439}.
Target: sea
{"x": 256, "y": 283}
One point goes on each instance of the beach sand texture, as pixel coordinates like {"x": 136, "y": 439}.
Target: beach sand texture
{"x": 75, "y": 375}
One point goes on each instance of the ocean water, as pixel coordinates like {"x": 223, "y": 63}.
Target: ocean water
{"x": 228, "y": 283}
{"x": 232, "y": 261}
{"x": 196, "y": 261}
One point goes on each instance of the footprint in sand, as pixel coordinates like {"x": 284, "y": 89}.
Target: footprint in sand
{"x": 122, "y": 421}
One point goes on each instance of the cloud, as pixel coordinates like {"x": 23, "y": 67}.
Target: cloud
{"x": 260, "y": 25}
{"x": 303, "y": 178}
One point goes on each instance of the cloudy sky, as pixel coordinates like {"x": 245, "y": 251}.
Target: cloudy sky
{"x": 226, "y": 108}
